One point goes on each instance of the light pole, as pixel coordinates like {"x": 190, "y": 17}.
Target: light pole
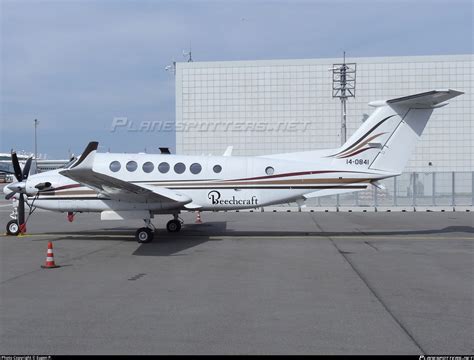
{"x": 343, "y": 87}
{"x": 36, "y": 144}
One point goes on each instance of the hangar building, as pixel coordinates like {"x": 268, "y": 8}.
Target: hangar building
{"x": 271, "y": 106}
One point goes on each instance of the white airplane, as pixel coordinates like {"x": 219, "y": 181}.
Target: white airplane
{"x": 138, "y": 186}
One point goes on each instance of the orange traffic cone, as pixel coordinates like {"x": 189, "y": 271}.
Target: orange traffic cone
{"x": 198, "y": 217}
{"x": 49, "y": 264}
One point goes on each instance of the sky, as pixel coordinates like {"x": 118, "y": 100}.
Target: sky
{"x": 76, "y": 64}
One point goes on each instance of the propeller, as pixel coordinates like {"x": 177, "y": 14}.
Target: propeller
{"x": 19, "y": 187}
{"x": 16, "y": 167}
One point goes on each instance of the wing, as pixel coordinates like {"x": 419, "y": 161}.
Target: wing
{"x": 117, "y": 189}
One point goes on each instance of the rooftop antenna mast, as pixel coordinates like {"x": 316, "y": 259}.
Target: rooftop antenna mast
{"x": 188, "y": 55}
{"x": 343, "y": 87}
{"x": 171, "y": 67}
{"x": 36, "y": 144}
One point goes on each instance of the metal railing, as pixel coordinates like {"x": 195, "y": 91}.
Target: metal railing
{"x": 411, "y": 189}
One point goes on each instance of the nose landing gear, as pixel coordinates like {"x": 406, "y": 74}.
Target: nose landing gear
{"x": 12, "y": 228}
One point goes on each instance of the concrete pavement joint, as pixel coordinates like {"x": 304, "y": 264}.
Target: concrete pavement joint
{"x": 371, "y": 245}
{"x": 379, "y": 299}
{"x": 316, "y": 223}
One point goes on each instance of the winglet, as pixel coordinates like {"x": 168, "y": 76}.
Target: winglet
{"x": 87, "y": 156}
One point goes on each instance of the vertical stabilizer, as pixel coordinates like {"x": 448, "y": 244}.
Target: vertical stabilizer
{"x": 386, "y": 139}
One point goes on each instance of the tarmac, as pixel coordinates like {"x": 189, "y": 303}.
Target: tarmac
{"x": 241, "y": 283}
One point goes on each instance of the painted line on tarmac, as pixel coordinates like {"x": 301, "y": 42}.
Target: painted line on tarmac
{"x": 263, "y": 237}
{"x": 74, "y": 235}
{"x": 355, "y": 237}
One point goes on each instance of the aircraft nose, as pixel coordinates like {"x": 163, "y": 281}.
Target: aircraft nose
{"x": 7, "y": 190}
{"x": 16, "y": 186}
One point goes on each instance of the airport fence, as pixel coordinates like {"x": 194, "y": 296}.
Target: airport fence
{"x": 410, "y": 190}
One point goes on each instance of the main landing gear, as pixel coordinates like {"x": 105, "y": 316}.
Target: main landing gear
{"x": 174, "y": 225}
{"x": 145, "y": 234}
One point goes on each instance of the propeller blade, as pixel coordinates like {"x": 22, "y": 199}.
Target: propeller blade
{"x": 16, "y": 167}
{"x": 26, "y": 169}
{"x": 21, "y": 211}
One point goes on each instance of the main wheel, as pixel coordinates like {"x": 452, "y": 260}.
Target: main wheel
{"x": 13, "y": 228}
{"x": 144, "y": 235}
{"x": 173, "y": 225}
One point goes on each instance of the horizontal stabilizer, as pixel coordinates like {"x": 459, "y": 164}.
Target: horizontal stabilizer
{"x": 427, "y": 99}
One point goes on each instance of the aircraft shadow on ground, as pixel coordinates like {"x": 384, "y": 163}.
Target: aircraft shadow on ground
{"x": 192, "y": 235}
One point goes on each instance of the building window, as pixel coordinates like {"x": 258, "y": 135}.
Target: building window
{"x": 217, "y": 169}
{"x": 195, "y": 168}
{"x": 148, "y": 167}
{"x": 269, "y": 170}
{"x": 131, "y": 166}
{"x": 179, "y": 168}
{"x": 114, "y": 166}
{"x": 164, "y": 167}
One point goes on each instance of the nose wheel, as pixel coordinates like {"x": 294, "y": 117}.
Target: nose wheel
{"x": 13, "y": 228}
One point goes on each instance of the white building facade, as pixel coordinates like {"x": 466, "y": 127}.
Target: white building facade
{"x": 273, "y": 106}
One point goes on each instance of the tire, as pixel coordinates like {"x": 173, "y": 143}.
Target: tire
{"x": 144, "y": 235}
{"x": 173, "y": 226}
{"x": 12, "y": 228}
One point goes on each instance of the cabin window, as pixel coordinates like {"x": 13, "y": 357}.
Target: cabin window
{"x": 217, "y": 169}
{"x": 269, "y": 170}
{"x": 195, "y": 168}
{"x": 131, "y": 166}
{"x": 114, "y": 166}
{"x": 164, "y": 167}
{"x": 148, "y": 167}
{"x": 179, "y": 168}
